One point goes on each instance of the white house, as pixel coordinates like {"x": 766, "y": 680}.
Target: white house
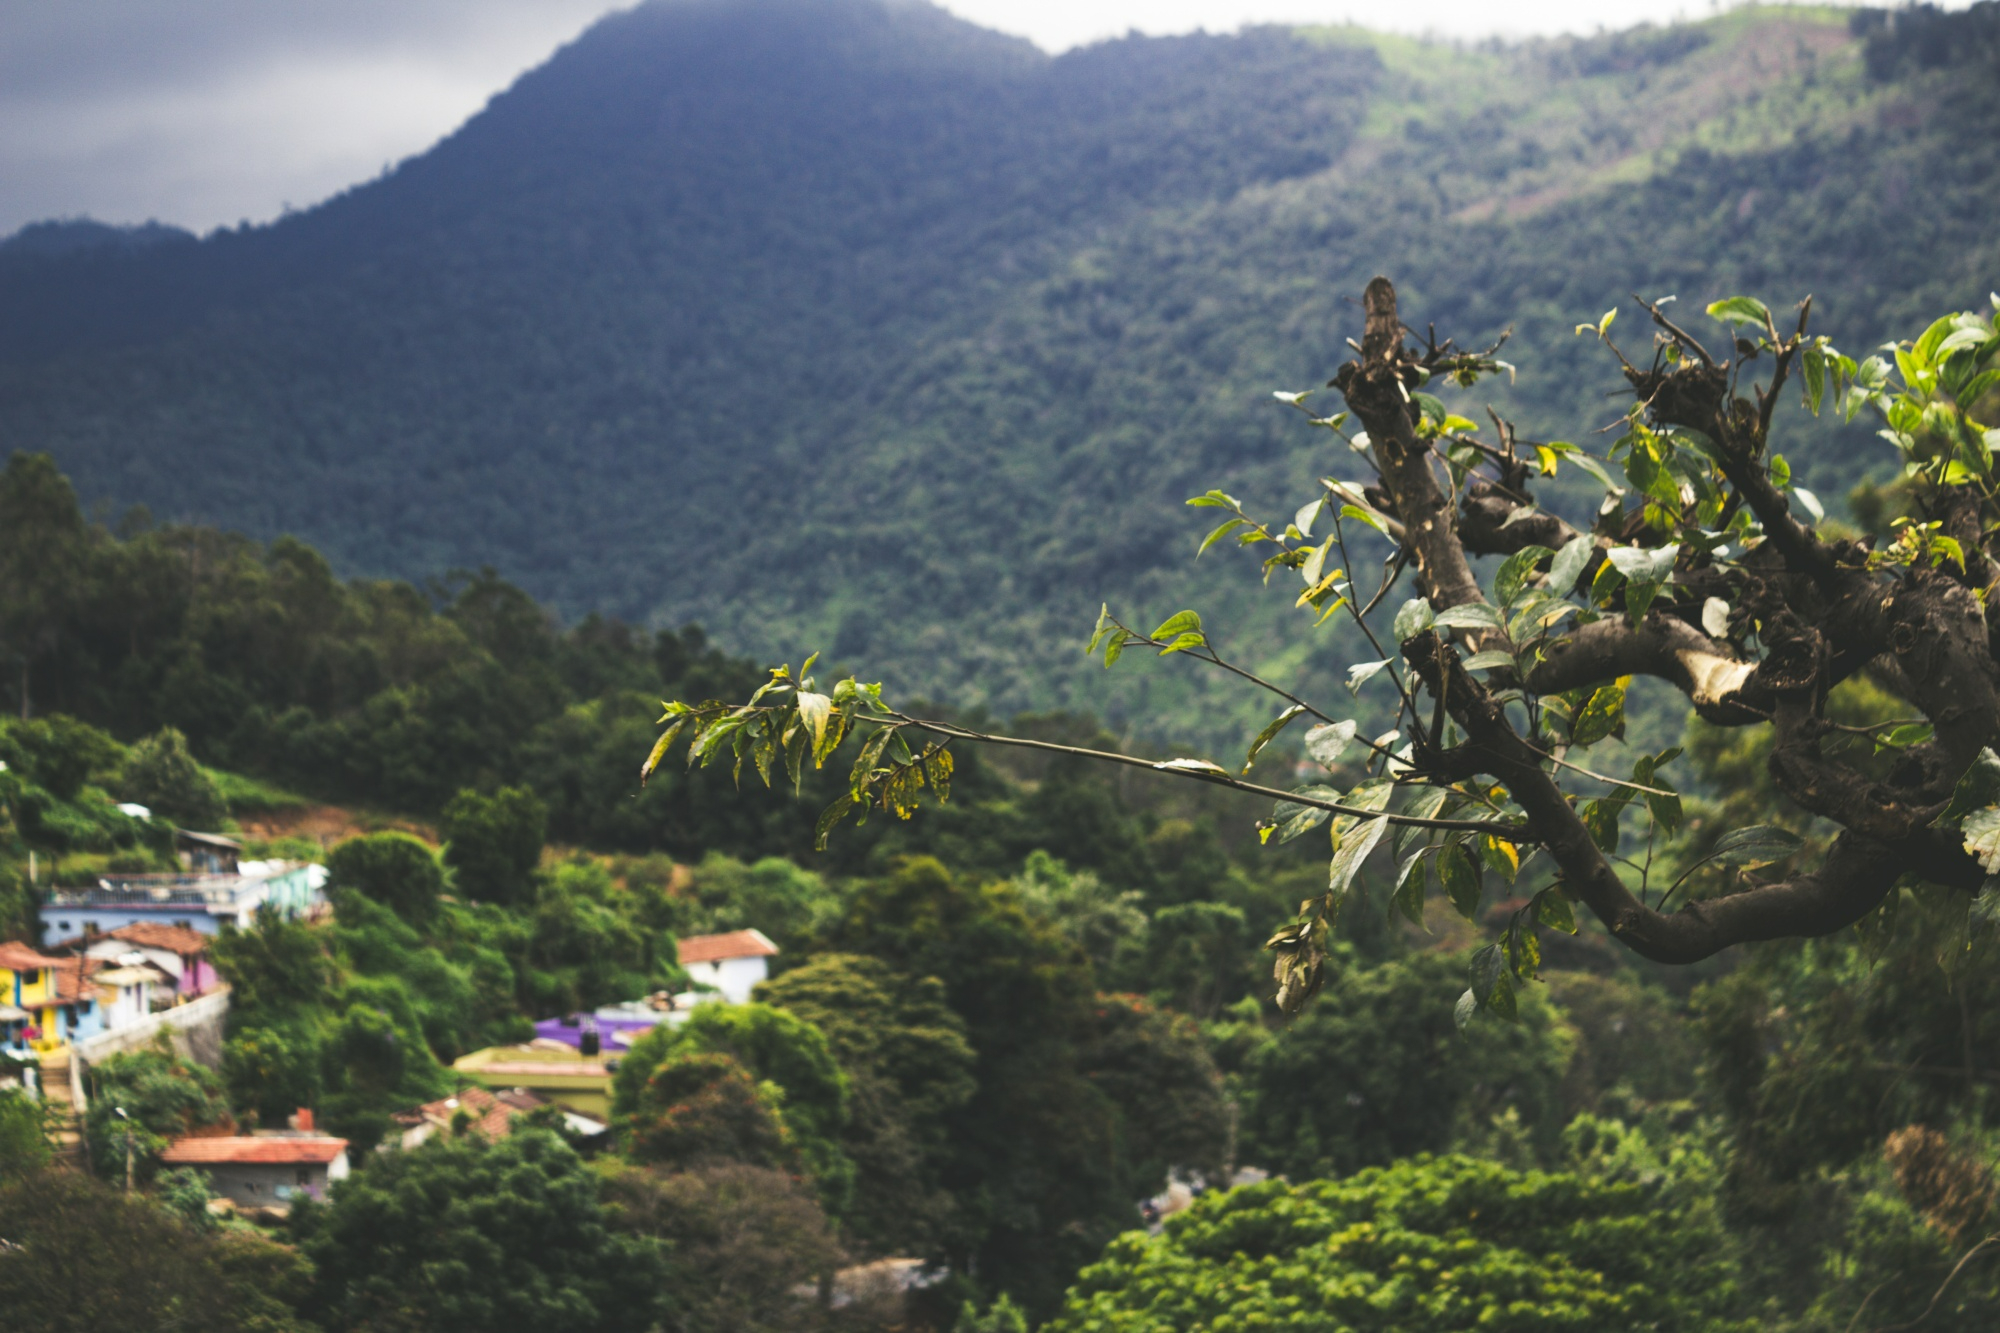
{"x": 732, "y": 963}
{"x": 126, "y": 992}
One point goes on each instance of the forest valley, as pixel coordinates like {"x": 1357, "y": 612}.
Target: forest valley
{"x": 1748, "y": 1085}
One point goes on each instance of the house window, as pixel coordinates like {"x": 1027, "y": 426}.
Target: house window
{"x": 62, "y": 925}
{"x": 304, "y": 1177}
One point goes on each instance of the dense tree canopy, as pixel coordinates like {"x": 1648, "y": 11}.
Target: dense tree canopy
{"x": 1704, "y": 567}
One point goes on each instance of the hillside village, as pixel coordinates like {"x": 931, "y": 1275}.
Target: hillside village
{"x": 547, "y": 779}
{"x": 140, "y": 975}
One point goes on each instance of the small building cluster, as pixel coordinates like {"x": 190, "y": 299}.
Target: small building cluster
{"x": 98, "y": 983}
{"x": 572, "y": 1057}
{"x": 214, "y": 886}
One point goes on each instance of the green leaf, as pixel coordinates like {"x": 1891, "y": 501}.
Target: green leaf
{"x": 1601, "y": 716}
{"x": 1326, "y": 742}
{"x": 814, "y": 710}
{"x": 1569, "y": 564}
{"x": 1307, "y": 515}
{"x": 1316, "y": 563}
{"x": 1639, "y": 598}
{"x": 1377, "y": 521}
{"x": 659, "y": 751}
{"x": 1644, "y": 565}
{"x": 1910, "y": 733}
{"x": 1221, "y": 531}
{"x": 1756, "y": 845}
{"x": 1460, "y": 876}
{"x": 1467, "y": 615}
{"x": 1270, "y": 731}
{"x": 1666, "y": 811}
{"x": 1515, "y": 572}
{"x": 1290, "y": 818}
{"x": 1214, "y": 500}
{"x": 1352, "y": 853}
{"x": 1181, "y": 622}
{"x": 1425, "y": 805}
{"x": 1192, "y": 639}
{"x": 1600, "y": 818}
{"x": 1490, "y": 660}
{"x": 1408, "y": 896}
{"x": 1468, "y": 1004}
{"x": 1103, "y": 627}
{"x": 1413, "y": 619}
{"x": 1976, "y": 389}
{"x": 1499, "y": 856}
{"x": 1810, "y": 503}
{"x": 1978, "y": 787}
{"x": 1740, "y": 310}
{"x": 1597, "y": 470}
{"x": 829, "y": 818}
{"x": 1552, "y": 909}
{"x": 1981, "y": 831}
{"x": 1362, "y": 672}
{"x": 1431, "y": 407}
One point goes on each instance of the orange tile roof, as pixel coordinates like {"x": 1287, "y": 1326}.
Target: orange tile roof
{"x": 273, "y": 1150}
{"x": 734, "y": 944}
{"x": 490, "y": 1115}
{"x": 159, "y": 935}
{"x": 18, "y": 957}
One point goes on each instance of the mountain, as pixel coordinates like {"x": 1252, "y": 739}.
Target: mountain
{"x": 845, "y": 324}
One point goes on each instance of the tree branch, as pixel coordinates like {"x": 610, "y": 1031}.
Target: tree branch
{"x": 1715, "y": 680}
{"x": 1854, "y": 877}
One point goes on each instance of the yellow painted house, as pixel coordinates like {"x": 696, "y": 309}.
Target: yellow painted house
{"x": 30, "y": 1000}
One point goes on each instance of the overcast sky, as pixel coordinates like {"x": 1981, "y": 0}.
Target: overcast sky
{"x": 207, "y": 112}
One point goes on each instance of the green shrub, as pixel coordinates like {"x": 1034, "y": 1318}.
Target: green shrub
{"x": 394, "y": 869}
{"x": 161, "y": 775}
{"x": 493, "y": 843}
{"x": 1428, "y": 1245}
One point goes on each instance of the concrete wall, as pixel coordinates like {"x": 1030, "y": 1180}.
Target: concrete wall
{"x": 194, "y": 1029}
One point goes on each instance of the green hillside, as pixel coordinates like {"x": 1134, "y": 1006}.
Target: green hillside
{"x": 847, "y": 325}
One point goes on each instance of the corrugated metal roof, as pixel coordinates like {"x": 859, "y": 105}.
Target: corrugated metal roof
{"x": 274, "y": 1150}
{"x": 733, "y": 944}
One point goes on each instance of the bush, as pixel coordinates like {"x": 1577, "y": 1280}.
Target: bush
{"x": 1428, "y": 1245}
{"x": 162, "y": 1097}
{"x": 493, "y": 843}
{"x": 24, "y": 1139}
{"x": 777, "y": 1048}
{"x": 464, "y": 1236}
{"x": 394, "y": 869}
{"x": 161, "y": 775}
{"x": 1375, "y": 1070}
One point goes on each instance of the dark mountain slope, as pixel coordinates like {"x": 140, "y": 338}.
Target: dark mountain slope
{"x": 847, "y": 325}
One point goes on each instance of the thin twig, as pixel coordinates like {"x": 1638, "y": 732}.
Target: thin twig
{"x": 1500, "y": 829}
{"x": 1938, "y": 1295}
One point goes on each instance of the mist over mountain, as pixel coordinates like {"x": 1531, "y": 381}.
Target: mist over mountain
{"x": 847, "y": 325}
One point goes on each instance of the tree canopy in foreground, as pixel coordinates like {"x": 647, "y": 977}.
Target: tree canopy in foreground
{"x": 1703, "y": 567}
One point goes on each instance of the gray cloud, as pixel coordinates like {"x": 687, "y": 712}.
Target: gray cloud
{"x": 204, "y": 112}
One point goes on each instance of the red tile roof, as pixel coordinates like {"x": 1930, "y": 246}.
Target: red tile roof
{"x": 734, "y": 944}
{"x": 159, "y": 935}
{"x": 18, "y": 957}
{"x": 490, "y": 1115}
{"x": 273, "y": 1150}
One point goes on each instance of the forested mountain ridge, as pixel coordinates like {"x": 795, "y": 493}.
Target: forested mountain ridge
{"x": 847, "y": 325}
